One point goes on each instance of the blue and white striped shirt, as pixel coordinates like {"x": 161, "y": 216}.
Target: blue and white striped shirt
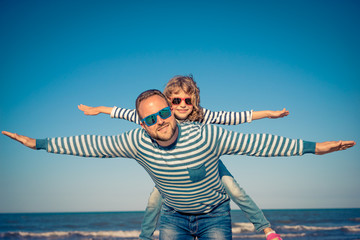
{"x": 210, "y": 117}
{"x": 185, "y": 173}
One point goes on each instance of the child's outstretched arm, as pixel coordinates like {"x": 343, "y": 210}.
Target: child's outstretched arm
{"x": 94, "y": 110}
{"x": 115, "y": 112}
{"x": 269, "y": 114}
{"x": 235, "y": 118}
{"x": 226, "y": 118}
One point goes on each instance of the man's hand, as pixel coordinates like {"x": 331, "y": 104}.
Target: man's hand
{"x": 29, "y": 142}
{"x": 278, "y": 114}
{"x": 332, "y": 146}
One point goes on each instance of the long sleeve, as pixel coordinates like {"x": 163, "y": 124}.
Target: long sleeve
{"x": 259, "y": 145}
{"x": 123, "y": 145}
{"x": 126, "y": 114}
{"x": 187, "y": 172}
{"x": 226, "y": 118}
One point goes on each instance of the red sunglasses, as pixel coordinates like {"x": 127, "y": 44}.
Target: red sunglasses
{"x": 177, "y": 101}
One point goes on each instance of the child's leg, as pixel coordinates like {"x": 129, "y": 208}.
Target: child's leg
{"x": 245, "y": 203}
{"x": 151, "y": 215}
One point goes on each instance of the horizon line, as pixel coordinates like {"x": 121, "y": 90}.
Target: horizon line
{"x": 139, "y": 211}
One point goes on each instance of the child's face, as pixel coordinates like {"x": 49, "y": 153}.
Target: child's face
{"x": 182, "y": 110}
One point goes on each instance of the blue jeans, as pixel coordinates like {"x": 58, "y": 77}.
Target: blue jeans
{"x": 151, "y": 216}
{"x": 215, "y": 225}
{"x": 244, "y": 201}
{"x": 235, "y": 192}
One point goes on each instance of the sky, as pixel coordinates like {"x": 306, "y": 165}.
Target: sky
{"x": 244, "y": 55}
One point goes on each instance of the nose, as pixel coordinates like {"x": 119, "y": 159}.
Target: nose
{"x": 182, "y": 103}
{"x": 159, "y": 120}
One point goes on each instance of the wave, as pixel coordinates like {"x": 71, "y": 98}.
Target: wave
{"x": 240, "y": 230}
{"x": 241, "y": 227}
{"x": 355, "y": 228}
{"x": 111, "y": 235}
{"x": 134, "y": 234}
{"x": 262, "y": 236}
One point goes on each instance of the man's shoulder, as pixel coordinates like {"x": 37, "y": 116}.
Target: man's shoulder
{"x": 136, "y": 133}
{"x": 199, "y": 126}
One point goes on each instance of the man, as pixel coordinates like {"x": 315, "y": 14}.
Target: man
{"x": 182, "y": 160}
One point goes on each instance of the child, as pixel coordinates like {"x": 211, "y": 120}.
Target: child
{"x": 184, "y": 96}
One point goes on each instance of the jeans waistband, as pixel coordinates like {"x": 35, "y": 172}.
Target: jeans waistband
{"x": 222, "y": 204}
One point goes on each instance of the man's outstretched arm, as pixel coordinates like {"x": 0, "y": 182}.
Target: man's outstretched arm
{"x": 320, "y": 148}
{"x": 268, "y": 145}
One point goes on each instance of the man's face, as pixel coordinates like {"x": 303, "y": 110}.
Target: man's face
{"x": 164, "y": 130}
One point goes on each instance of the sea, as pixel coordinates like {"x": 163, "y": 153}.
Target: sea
{"x": 294, "y": 224}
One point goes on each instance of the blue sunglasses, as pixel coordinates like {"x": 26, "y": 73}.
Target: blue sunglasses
{"x": 152, "y": 119}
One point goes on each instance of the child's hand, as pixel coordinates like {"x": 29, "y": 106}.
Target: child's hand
{"x": 278, "y": 114}
{"x": 89, "y": 110}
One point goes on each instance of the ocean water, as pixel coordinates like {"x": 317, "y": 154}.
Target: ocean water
{"x": 323, "y": 224}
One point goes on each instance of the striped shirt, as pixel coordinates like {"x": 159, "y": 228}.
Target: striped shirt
{"x": 185, "y": 173}
{"x": 210, "y": 117}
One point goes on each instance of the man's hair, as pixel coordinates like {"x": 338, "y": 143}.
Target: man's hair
{"x": 188, "y": 85}
{"x": 147, "y": 94}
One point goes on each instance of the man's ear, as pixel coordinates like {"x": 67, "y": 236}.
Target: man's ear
{"x": 142, "y": 125}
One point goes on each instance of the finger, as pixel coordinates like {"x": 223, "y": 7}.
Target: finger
{"x": 347, "y": 144}
{"x": 343, "y": 145}
{"x": 9, "y": 134}
{"x": 14, "y": 136}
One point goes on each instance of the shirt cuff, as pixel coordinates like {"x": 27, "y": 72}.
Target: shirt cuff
{"x": 112, "y": 114}
{"x": 249, "y": 120}
{"x": 309, "y": 147}
{"x": 41, "y": 144}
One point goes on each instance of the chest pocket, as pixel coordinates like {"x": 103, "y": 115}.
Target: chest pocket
{"x": 197, "y": 173}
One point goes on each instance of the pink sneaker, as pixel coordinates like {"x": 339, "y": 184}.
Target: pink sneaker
{"x": 273, "y": 236}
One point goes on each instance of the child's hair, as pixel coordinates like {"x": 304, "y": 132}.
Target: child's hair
{"x": 188, "y": 85}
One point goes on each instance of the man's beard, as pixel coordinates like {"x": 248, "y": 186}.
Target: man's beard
{"x": 168, "y": 136}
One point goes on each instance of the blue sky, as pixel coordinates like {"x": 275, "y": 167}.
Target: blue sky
{"x": 260, "y": 55}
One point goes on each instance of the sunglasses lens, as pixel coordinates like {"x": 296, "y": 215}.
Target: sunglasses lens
{"x": 165, "y": 113}
{"x": 176, "y": 101}
{"x": 188, "y": 101}
{"x": 150, "y": 120}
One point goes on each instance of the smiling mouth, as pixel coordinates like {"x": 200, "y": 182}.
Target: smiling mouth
{"x": 183, "y": 110}
{"x": 163, "y": 127}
